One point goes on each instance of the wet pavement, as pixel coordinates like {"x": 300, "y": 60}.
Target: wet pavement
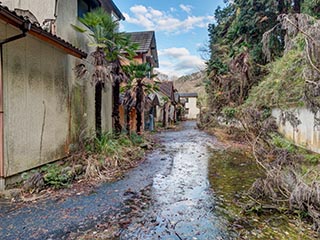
{"x": 182, "y": 204}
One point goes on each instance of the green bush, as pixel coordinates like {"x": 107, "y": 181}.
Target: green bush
{"x": 284, "y": 86}
{"x": 55, "y": 177}
{"x": 136, "y": 139}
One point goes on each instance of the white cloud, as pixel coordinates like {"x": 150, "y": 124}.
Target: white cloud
{"x": 153, "y": 19}
{"x": 139, "y": 9}
{"x": 174, "y": 52}
{"x": 179, "y": 61}
{"x": 186, "y": 8}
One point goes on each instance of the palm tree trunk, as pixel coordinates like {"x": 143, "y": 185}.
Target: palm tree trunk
{"x": 139, "y": 106}
{"x": 128, "y": 121}
{"x": 98, "y": 101}
{"x": 139, "y": 121}
{"x": 116, "y": 105}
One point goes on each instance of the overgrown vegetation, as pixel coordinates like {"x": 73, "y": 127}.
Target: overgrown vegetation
{"x": 111, "y": 46}
{"x": 284, "y": 86}
{"x": 264, "y": 55}
{"x": 105, "y": 158}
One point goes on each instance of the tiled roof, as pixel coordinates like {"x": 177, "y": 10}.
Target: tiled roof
{"x": 146, "y": 41}
{"x": 167, "y": 89}
{"x": 14, "y": 19}
{"x": 143, "y": 39}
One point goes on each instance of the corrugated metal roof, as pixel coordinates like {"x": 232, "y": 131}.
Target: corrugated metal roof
{"x": 14, "y": 19}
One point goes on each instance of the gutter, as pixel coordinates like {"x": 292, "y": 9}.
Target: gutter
{"x": 25, "y": 27}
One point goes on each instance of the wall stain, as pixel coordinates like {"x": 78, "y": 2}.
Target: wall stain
{"x": 42, "y": 129}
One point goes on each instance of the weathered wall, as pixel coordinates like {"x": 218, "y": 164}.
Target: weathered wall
{"x": 36, "y": 103}
{"x": 41, "y": 9}
{"x": 305, "y": 135}
{"x": 66, "y": 15}
{"x": 82, "y": 93}
{"x": 48, "y": 111}
{"x": 193, "y": 109}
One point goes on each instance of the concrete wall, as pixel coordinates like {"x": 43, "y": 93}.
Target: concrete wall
{"x": 47, "y": 110}
{"x": 36, "y": 103}
{"x": 193, "y": 109}
{"x": 305, "y": 135}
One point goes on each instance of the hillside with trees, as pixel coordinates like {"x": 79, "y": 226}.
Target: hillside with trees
{"x": 194, "y": 82}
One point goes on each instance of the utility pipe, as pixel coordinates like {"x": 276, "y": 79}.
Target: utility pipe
{"x": 25, "y": 27}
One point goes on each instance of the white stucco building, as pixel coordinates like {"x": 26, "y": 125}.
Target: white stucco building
{"x": 189, "y": 100}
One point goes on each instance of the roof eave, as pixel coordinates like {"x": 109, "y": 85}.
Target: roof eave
{"x": 114, "y": 7}
{"x": 16, "y": 21}
{"x": 117, "y": 11}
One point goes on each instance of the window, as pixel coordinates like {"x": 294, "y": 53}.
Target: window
{"x": 85, "y": 6}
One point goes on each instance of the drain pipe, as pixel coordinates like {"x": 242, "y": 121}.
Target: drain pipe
{"x": 25, "y": 27}
{"x": 56, "y": 9}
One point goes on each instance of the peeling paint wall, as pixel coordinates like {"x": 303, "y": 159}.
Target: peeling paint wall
{"x": 306, "y": 134}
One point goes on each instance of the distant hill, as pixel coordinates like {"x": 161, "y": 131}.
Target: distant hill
{"x": 161, "y": 76}
{"x": 194, "y": 82}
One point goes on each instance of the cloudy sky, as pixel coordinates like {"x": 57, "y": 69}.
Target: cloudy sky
{"x": 180, "y": 26}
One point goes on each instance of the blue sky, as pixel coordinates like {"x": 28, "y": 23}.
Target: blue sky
{"x": 180, "y": 26}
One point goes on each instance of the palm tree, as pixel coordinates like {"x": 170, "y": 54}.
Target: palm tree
{"x": 136, "y": 90}
{"x": 110, "y": 47}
